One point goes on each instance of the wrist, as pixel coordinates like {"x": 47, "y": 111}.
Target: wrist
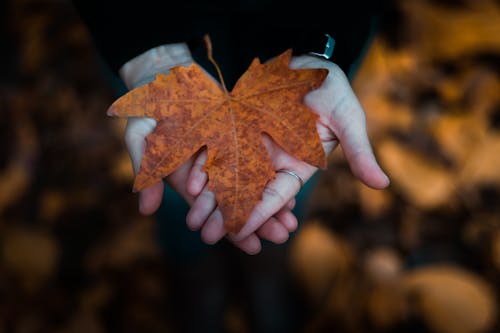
{"x": 143, "y": 68}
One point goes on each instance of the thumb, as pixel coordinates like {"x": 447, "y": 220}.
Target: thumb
{"x": 361, "y": 159}
{"x": 346, "y": 118}
{"x": 349, "y": 124}
{"x": 135, "y": 132}
{"x": 137, "y": 129}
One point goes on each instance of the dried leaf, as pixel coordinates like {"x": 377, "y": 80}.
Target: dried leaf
{"x": 131, "y": 243}
{"x": 318, "y": 258}
{"x": 192, "y": 111}
{"x": 386, "y": 306}
{"x": 474, "y": 27}
{"x": 451, "y": 299}
{"x": 383, "y": 265}
{"x": 374, "y": 203}
{"x": 425, "y": 183}
{"x": 30, "y": 255}
{"x": 482, "y": 165}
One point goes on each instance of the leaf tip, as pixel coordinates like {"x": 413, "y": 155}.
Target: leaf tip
{"x": 286, "y": 56}
{"x": 138, "y": 183}
{"x": 233, "y": 228}
{"x": 161, "y": 76}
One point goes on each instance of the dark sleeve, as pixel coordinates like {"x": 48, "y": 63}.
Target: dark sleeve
{"x": 240, "y": 30}
{"x": 121, "y": 30}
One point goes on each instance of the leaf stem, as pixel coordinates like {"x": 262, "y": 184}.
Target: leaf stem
{"x": 208, "y": 44}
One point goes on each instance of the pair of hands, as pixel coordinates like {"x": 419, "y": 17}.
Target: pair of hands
{"x": 341, "y": 121}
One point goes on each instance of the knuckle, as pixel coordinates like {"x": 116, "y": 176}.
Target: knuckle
{"x": 271, "y": 192}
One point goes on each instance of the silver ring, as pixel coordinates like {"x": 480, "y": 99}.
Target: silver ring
{"x": 329, "y": 47}
{"x": 291, "y": 173}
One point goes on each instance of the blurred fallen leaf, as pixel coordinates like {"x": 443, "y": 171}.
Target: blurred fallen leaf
{"x": 374, "y": 202}
{"x": 383, "y": 265}
{"x": 30, "y": 255}
{"x": 318, "y": 257}
{"x": 451, "y": 299}
{"x": 386, "y": 306}
{"x": 482, "y": 165}
{"x": 121, "y": 170}
{"x": 52, "y": 204}
{"x": 16, "y": 176}
{"x": 474, "y": 27}
{"x": 424, "y": 183}
{"x": 132, "y": 242}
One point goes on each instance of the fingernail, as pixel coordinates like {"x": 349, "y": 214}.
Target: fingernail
{"x": 387, "y": 179}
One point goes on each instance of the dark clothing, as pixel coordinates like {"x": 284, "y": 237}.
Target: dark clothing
{"x": 240, "y": 30}
{"x": 203, "y": 277}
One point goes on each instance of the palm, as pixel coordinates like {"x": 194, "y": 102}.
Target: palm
{"x": 341, "y": 120}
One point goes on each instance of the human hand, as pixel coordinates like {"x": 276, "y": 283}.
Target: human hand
{"x": 341, "y": 120}
{"x": 189, "y": 180}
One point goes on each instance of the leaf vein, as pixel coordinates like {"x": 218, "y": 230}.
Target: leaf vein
{"x": 196, "y": 124}
{"x": 278, "y": 119}
{"x": 271, "y": 90}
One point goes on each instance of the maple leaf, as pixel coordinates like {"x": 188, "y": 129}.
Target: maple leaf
{"x": 193, "y": 111}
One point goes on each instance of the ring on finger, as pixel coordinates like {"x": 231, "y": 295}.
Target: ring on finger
{"x": 292, "y": 173}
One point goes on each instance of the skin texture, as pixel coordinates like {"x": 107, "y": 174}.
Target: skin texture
{"x": 341, "y": 121}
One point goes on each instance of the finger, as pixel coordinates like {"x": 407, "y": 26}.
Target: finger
{"x": 197, "y": 177}
{"x": 287, "y": 219}
{"x": 291, "y": 204}
{"x": 272, "y": 230}
{"x": 279, "y": 191}
{"x": 276, "y": 195}
{"x": 365, "y": 167}
{"x": 346, "y": 119}
{"x": 250, "y": 245}
{"x": 213, "y": 230}
{"x": 136, "y": 130}
{"x": 350, "y": 124}
{"x": 150, "y": 198}
{"x": 200, "y": 211}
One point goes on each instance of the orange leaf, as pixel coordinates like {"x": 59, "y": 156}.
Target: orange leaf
{"x": 193, "y": 111}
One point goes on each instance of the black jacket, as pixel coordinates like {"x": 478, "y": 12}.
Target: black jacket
{"x": 240, "y": 29}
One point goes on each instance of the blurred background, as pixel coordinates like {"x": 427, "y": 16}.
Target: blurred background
{"x": 421, "y": 256}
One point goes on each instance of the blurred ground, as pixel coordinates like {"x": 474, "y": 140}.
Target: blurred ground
{"x": 422, "y": 256}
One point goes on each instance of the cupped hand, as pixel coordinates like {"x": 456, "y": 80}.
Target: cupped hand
{"x": 341, "y": 121}
{"x": 203, "y": 210}
{"x": 189, "y": 181}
